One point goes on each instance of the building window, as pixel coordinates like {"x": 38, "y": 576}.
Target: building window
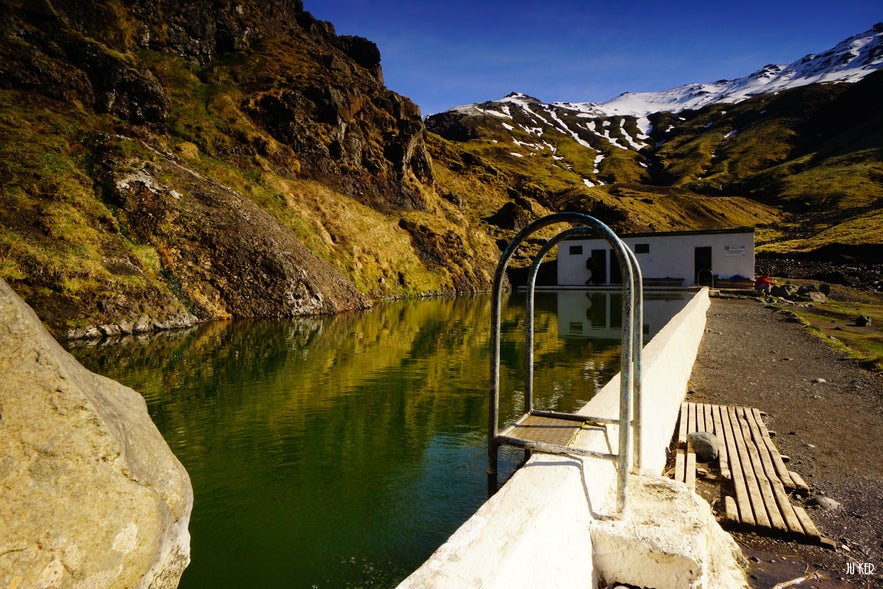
{"x": 642, "y": 248}
{"x": 576, "y": 250}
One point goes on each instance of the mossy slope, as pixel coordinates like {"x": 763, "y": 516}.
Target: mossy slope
{"x": 162, "y": 164}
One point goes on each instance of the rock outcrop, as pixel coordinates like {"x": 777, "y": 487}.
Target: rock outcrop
{"x": 196, "y": 137}
{"x": 325, "y": 99}
{"x": 230, "y": 257}
{"x": 90, "y": 494}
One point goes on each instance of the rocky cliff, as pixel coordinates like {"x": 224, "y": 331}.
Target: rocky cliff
{"x": 163, "y": 163}
{"x": 92, "y": 495}
{"x": 167, "y": 162}
{"x": 318, "y": 93}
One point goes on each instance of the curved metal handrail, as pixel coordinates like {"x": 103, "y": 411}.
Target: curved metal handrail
{"x": 632, "y": 320}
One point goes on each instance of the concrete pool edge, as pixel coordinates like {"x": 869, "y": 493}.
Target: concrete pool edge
{"x": 548, "y": 525}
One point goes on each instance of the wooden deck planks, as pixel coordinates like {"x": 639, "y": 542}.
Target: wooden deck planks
{"x": 681, "y": 465}
{"x": 723, "y": 453}
{"x": 709, "y": 418}
{"x": 682, "y": 426}
{"x": 747, "y": 472}
{"x": 743, "y": 503}
{"x": 690, "y": 467}
{"x": 777, "y": 485}
{"x": 749, "y": 459}
{"x": 781, "y": 470}
{"x": 809, "y": 527}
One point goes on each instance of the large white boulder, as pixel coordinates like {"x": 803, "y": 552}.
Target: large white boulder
{"x": 90, "y": 493}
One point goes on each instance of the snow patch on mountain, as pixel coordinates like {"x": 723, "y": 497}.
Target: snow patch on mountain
{"x": 624, "y": 122}
{"x": 849, "y": 61}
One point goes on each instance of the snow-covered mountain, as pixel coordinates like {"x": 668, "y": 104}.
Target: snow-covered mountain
{"x": 849, "y": 61}
{"x": 792, "y": 149}
{"x": 624, "y": 123}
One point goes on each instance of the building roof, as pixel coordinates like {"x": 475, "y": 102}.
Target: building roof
{"x": 674, "y": 233}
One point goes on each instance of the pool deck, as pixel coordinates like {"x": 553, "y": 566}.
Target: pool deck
{"x": 553, "y": 523}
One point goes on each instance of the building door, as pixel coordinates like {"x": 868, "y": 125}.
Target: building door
{"x": 598, "y": 267}
{"x": 703, "y": 273}
{"x": 615, "y": 269}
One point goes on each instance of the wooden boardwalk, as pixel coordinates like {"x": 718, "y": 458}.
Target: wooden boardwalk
{"x": 748, "y": 459}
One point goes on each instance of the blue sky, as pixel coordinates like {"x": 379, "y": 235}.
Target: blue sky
{"x": 443, "y": 54}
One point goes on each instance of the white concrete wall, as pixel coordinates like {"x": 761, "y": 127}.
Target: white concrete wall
{"x": 670, "y": 256}
{"x": 533, "y": 530}
{"x": 667, "y": 362}
{"x": 538, "y": 530}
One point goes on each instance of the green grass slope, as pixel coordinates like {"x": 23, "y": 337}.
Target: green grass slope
{"x": 125, "y": 130}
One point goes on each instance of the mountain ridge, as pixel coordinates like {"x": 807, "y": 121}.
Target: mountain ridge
{"x": 164, "y": 164}
{"x": 848, "y": 61}
{"x": 803, "y": 161}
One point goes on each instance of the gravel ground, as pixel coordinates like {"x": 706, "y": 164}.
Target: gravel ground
{"x": 827, "y": 413}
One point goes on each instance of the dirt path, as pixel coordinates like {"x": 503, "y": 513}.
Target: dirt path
{"x": 828, "y": 414}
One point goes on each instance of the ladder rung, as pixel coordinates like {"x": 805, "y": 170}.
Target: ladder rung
{"x": 573, "y": 417}
{"x": 547, "y": 448}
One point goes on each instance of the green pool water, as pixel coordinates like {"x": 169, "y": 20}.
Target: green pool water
{"x": 342, "y": 451}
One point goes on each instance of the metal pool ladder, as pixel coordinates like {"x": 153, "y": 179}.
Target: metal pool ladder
{"x": 551, "y": 431}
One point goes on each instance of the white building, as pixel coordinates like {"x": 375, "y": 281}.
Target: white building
{"x": 666, "y": 259}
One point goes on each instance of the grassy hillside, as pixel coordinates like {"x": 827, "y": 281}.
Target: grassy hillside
{"x": 100, "y": 208}
{"x": 803, "y": 166}
{"x": 155, "y": 171}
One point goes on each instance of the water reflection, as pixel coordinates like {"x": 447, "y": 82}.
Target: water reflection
{"x": 596, "y": 314}
{"x": 341, "y": 451}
